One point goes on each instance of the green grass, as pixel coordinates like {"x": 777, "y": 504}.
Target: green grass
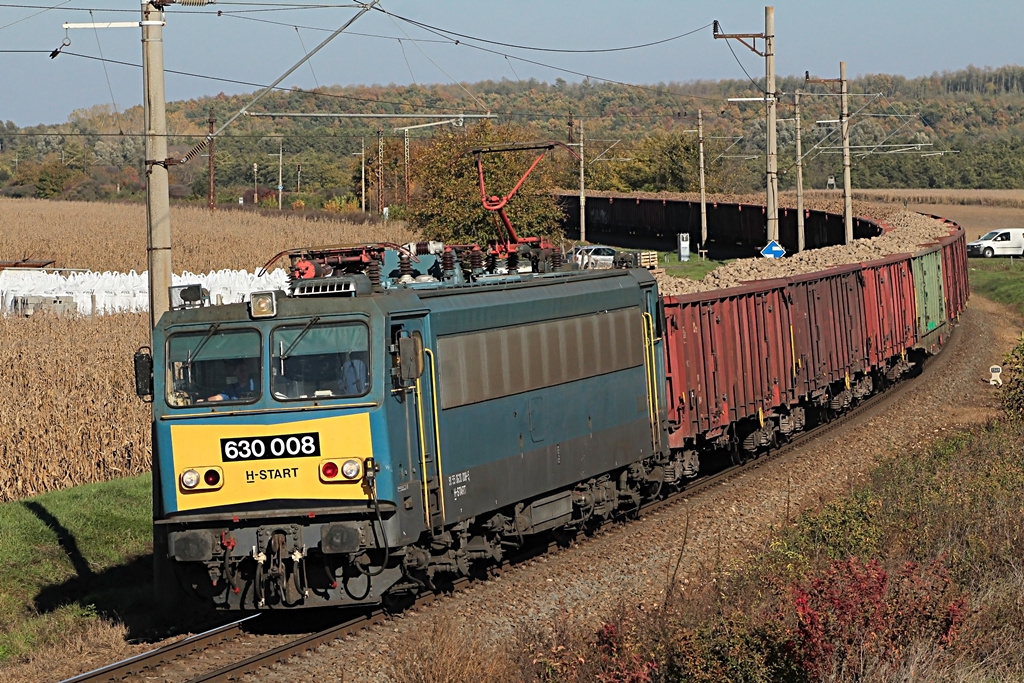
{"x": 1001, "y": 280}
{"x": 694, "y": 269}
{"x": 71, "y": 557}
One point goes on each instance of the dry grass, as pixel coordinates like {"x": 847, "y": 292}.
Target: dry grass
{"x": 113, "y": 236}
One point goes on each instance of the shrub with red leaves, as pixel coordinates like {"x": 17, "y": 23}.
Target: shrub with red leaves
{"x": 853, "y": 613}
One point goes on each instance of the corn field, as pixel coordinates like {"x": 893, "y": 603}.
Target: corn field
{"x": 112, "y": 237}
{"x": 68, "y": 410}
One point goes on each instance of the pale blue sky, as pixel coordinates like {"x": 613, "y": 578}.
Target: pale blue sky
{"x": 909, "y": 37}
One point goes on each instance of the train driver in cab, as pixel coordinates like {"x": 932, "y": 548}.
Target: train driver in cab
{"x": 353, "y": 376}
{"x": 245, "y": 384}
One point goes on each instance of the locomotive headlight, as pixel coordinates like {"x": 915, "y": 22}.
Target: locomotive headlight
{"x": 189, "y": 479}
{"x": 351, "y": 469}
{"x": 263, "y": 304}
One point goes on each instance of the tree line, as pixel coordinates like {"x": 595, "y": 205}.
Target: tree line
{"x": 638, "y": 138}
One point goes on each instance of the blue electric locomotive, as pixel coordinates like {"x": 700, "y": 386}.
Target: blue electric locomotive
{"x": 400, "y": 415}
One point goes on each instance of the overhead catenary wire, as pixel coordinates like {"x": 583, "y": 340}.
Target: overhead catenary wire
{"x": 306, "y": 52}
{"x": 42, "y": 10}
{"x": 110, "y": 88}
{"x": 436, "y": 65}
{"x": 199, "y": 147}
{"x": 436, "y": 29}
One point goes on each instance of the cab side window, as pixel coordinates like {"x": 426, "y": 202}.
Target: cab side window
{"x": 1002, "y": 237}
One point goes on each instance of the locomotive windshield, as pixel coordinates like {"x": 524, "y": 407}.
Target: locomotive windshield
{"x": 216, "y": 365}
{"x": 320, "y": 360}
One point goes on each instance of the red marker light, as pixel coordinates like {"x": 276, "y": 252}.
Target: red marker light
{"x": 330, "y": 470}
{"x": 212, "y": 477}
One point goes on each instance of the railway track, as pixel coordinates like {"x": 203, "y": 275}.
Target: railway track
{"x": 148, "y": 664}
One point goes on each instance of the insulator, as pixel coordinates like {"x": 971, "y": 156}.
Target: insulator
{"x": 448, "y": 259}
{"x": 476, "y": 259}
{"x": 492, "y": 262}
{"x": 512, "y": 262}
{"x": 373, "y": 271}
{"x": 556, "y": 258}
{"x": 404, "y": 265}
{"x": 196, "y": 3}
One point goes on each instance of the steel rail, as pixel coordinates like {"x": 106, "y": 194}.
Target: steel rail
{"x": 141, "y": 662}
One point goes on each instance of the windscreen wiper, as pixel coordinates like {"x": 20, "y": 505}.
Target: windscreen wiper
{"x": 302, "y": 333}
{"x": 192, "y": 355}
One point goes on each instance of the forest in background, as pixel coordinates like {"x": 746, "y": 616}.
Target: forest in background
{"x": 962, "y": 129}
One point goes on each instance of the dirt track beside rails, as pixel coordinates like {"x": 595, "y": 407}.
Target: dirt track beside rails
{"x": 632, "y": 563}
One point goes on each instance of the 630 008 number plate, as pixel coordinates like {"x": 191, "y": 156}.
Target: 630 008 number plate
{"x": 270, "y": 447}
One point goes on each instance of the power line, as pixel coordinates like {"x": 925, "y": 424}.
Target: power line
{"x": 561, "y": 69}
{"x": 43, "y": 10}
{"x": 448, "y": 32}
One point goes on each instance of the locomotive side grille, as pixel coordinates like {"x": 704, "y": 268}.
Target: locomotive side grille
{"x": 479, "y": 366}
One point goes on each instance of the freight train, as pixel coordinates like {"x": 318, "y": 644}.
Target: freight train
{"x": 403, "y": 415}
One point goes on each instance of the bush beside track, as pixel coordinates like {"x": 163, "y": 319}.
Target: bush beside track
{"x": 914, "y": 577}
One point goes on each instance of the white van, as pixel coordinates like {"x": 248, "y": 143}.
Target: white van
{"x": 1008, "y": 242}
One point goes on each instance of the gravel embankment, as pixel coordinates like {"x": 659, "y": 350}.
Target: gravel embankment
{"x": 632, "y": 563}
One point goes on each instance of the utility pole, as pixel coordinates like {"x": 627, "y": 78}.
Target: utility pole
{"x": 583, "y": 192}
{"x": 845, "y": 116}
{"x": 158, "y": 209}
{"x": 771, "y": 167}
{"x": 844, "y": 123}
{"x": 298, "y": 178}
{"x": 700, "y": 156}
{"x": 255, "y": 184}
{"x": 800, "y": 240}
{"x": 211, "y": 198}
{"x": 773, "y": 144}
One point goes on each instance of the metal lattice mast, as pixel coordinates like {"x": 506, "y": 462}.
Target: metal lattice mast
{"x": 407, "y": 167}
{"x": 211, "y": 200}
{"x": 380, "y": 170}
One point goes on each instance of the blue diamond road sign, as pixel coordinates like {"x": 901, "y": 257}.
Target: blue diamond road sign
{"x": 773, "y": 250}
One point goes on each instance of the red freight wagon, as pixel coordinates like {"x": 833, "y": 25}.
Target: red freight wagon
{"x": 829, "y": 331}
{"x": 889, "y": 308}
{"x": 728, "y": 357}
